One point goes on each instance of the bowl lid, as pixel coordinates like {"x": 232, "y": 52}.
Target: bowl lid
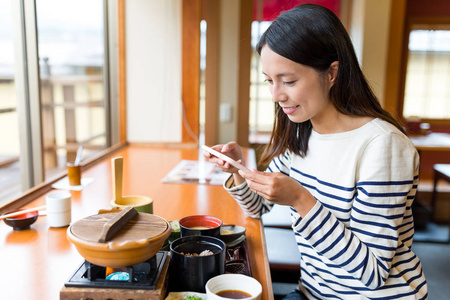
{"x": 143, "y": 226}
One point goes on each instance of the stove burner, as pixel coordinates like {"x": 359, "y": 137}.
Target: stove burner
{"x": 144, "y": 275}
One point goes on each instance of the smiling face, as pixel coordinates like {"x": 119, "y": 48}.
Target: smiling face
{"x": 301, "y": 91}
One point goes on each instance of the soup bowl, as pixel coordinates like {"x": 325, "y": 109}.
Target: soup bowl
{"x": 233, "y": 286}
{"x": 200, "y": 225}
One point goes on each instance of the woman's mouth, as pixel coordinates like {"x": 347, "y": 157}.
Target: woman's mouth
{"x": 290, "y": 110}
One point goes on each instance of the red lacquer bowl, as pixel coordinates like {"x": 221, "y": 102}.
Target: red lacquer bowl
{"x": 21, "y": 222}
{"x": 200, "y": 225}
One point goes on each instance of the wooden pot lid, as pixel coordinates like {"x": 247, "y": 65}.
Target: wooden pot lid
{"x": 143, "y": 226}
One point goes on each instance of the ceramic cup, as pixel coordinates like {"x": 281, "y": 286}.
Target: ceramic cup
{"x": 74, "y": 173}
{"x": 59, "y": 209}
{"x": 140, "y": 203}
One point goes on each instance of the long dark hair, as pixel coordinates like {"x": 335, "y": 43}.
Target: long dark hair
{"x": 313, "y": 35}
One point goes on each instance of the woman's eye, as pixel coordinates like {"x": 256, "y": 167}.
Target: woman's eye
{"x": 270, "y": 81}
{"x": 288, "y": 83}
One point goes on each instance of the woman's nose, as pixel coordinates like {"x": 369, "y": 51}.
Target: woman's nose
{"x": 278, "y": 93}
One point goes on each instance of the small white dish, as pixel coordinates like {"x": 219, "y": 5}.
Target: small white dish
{"x": 237, "y": 282}
{"x": 184, "y": 295}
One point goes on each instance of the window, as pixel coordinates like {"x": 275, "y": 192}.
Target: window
{"x": 71, "y": 58}
{"x": 10, "y": 180}
{"x": 427, "y": 92}
{"x": 261, "y": 104}
{"x": 57, "y": 75}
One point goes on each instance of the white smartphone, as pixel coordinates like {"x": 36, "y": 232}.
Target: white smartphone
{"x": 225, "y": 158}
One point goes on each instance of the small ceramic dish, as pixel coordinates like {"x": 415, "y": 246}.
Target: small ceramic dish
{"x": 229, "y": 233}
{"x": 21, "y": 222}
{"x": 200, "y": 225}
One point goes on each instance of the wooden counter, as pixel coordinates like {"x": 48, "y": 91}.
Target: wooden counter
{"x": 36, "y": 263}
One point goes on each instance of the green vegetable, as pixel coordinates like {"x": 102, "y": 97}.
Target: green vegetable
{"x": 175, "y": 225}
{"x": 175, "y": 230}
{"x": 193, "y": 297}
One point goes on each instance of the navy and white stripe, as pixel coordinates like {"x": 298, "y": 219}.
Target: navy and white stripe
{"x": 355, "y": 243}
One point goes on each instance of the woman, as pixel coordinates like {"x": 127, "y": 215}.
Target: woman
{"x": 340, "y": 161}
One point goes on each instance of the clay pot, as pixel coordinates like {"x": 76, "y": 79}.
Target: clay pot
{"x": 137, "y": 241}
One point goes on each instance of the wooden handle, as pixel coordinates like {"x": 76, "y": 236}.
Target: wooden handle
{"x": 117, "y": 170}
{"x": 21, "y": 212}
{"x": 110, "y": 210}
{"x": 111, "y": 227}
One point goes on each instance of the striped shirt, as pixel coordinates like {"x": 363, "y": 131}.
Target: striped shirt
{"x": 355, "y": 243}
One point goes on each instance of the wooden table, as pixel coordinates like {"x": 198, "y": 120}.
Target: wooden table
{"x": 36, "y": 263}
{"x": 434, "y": 141}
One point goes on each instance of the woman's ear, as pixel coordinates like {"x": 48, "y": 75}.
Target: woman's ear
{"x": 333, "y": 71}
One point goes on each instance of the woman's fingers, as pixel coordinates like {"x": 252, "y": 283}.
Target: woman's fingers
{"x": 258, "y": 176}
{"x": 266, "y": 184}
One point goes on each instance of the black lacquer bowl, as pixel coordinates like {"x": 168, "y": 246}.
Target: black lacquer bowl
{"x": 188, "y": 271}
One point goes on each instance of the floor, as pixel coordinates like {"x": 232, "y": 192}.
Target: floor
{"x": 435, "y": 260}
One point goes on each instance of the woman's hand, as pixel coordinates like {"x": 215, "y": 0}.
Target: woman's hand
{"x": 280, "y": 189}
{"x": 232, "y": 150}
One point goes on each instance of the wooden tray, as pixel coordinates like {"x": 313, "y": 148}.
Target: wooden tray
{"x": 160, "y": 292}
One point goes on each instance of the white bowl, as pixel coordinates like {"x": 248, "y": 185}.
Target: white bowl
{"x": 237, "y": 282}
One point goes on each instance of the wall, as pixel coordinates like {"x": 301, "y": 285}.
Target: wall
{"x": 228, "y": 67}
{"x": 369, "y": 31}
{"x": 153, "y": 60}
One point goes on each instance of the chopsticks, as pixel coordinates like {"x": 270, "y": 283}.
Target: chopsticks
{"x": 78, "y": 157}
{"x": 21, "y": 212}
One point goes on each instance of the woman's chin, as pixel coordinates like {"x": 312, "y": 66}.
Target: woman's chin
{"x": 297, "y": 119}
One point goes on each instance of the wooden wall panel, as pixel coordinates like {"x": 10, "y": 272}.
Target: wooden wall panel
{"x": 393, "y": 84}
{"x": 122, "y": 73}
{"x": 191, "y": 15}
{"x": 212, "y": 16}
{"x": 245, "y": 53}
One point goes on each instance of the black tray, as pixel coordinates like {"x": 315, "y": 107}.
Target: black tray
{"x": 237, "y": 259}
